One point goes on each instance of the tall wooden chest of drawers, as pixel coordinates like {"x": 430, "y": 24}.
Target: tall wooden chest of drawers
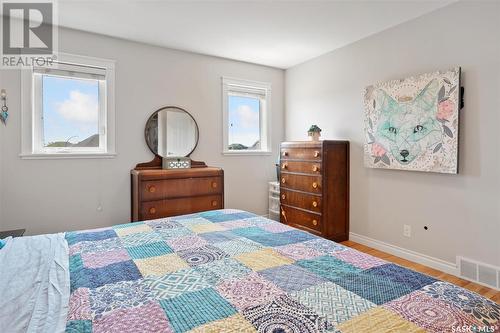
{"x": 314, "y": 194}
{"x": 160, "y": 193}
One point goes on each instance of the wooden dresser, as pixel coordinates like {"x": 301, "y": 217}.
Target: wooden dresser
{"x": 314, "y": 194}
{"x": 160, "y": 193}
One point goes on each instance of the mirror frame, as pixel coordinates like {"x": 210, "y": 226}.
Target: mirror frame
{"x": 171, "y": 107}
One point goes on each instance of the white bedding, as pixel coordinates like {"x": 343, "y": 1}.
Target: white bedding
{"x": 34, "y": 284}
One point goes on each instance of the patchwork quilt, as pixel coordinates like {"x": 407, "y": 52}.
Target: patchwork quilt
{"x": 232, "y": 271}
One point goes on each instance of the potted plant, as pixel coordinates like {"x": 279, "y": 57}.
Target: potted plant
{"x": 314, "y": 133}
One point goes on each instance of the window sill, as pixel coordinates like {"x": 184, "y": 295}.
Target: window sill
{"x": 64, "y": 156}
{"x": 246, "y": 152}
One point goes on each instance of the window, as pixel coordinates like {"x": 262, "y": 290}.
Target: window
{"x": 68, "y": 109}
{"x": 246, "y": 125}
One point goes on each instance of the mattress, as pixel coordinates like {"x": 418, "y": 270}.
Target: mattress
{"x": 233, "y": 271}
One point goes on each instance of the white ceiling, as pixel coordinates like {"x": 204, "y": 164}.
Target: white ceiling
{"x": 273, "y": 33}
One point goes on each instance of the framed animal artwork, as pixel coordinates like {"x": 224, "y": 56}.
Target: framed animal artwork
{"x": 412, "y": 123}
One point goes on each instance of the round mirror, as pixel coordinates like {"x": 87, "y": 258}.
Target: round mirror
{"x": 171, "y": 132}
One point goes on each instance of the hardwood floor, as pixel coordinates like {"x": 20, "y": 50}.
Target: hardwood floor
{"x": 485, "y": 291}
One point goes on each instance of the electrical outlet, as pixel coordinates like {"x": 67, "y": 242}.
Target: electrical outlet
{"x": 407, "y": 230}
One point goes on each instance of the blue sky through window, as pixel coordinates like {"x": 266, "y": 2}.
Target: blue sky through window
{"x": 244, "y": 122}
{"x": 70, "y": 109}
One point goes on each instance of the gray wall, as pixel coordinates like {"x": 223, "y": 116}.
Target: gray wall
{"x": 55, "y": 195}
{"x": 462, "y": 211}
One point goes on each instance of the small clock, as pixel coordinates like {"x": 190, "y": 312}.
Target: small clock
{"x": 176, "y": 163}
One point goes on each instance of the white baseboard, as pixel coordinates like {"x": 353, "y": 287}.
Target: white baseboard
{"x": 442, "y": 265}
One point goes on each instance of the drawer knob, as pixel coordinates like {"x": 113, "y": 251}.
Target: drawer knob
{"x": 214, "y": 184}
{"x": 315, "y": 204}
{"x": 316, "y": 153}
{"x": 315, "y": 222}
{"x": 284, "y": 166}
{"x": 152, "y": 189}
{"x": 315, "y": 168}
{"x": 283, "y": 180}
{"x": 315, "y": 185}
{"x": 285, "y": 153}
{"x": 283, "y": 196}
{"x": 214, "y": 203}
{"x": 152, "y": 210}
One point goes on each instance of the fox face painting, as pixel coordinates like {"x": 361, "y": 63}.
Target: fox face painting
{"x": 412, "y": 124}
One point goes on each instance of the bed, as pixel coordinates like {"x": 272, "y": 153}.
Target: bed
{"x": 221, "y": 271}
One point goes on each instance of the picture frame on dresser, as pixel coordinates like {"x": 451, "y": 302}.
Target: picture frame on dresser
{"x": 314, "y": 187}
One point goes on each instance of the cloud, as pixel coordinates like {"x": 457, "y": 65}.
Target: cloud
{"x": 248, "y": 117}
{"x": 80, "y": 107}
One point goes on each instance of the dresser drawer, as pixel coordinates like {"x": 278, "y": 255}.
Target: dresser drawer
{"x": 304, "y": 183}
{"x": 172, "y": 207}
{"x": 301, "y": 200}
{"x": 300, "y": 219}
{"x": 312, "y": 154}
{"x": 181, "y": 187}
{"x": 302, "y": 167}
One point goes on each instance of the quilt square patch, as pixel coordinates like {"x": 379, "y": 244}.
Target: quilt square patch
{"x": 161, "y": 224}
{"x": 206, "y": 227}
{"x": 238, "y": 246}
{"x": 262, "y": 259}
{"x": 176, "y": 283}
{"x": 284, "y": 314}
{"x": 276, "y": 227}
{"x": 167, "y": 234}
{"x": 96, "y": 277}
{"x": 193, "y": 309}
{"x": 233, "y": 324}
{"x": 149, "y": 317}
{"x": 328, "y": 267}
{"x": 104, "y": 258}
{"x": 298, "y": 251}
{"x": 202, "y": 255}
{"x": 160, "y": 265}
{"x": 359, "y": 259}
{"x": 324, "y": 245}
{"x": 79, "y": 305}
{"x": 140, "y": 238}
{"x": 149, "y": 250}
{"x": 248, "y": 291}
{"x": 96, "y": 246}
{"x": 376, "y": 289}
{"x": 432, "y": 314}
{"x": 229, "y": 225}
{"x": 221, "y": 270}
{"x": 75, "y": 237}
{"x": 221, "y": 217}
{"x": 250, "y": 232}
{"x": 411, "y": 279}
{"x": 291, "y": 278}
{"x": 132, "y": 228}
{"x": 333, "y": 302}
{"x": 79, "y": 326}
{"x": 186, "y": 242}
{"x": 378, "y": 320}
{"x": 121, "y": 295}
{"x": 218, "y": 236}
{"x": 187, "y": 221}
{"x": 482, "y": 309}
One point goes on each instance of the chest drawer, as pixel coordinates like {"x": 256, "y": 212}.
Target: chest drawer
{"x": 306, "y": 183}
{"x": 181, "y": 187}
{"x": 301, "y": 167}
{"x": 178, "y": 206}
{"x": 300, "y": 219}
{"x": 312, "y": 154}
{"x": 301, "y": 200}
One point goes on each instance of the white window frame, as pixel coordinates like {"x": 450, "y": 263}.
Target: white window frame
{"x": 231, "y": 86}
{"x": 31, "y": 113}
